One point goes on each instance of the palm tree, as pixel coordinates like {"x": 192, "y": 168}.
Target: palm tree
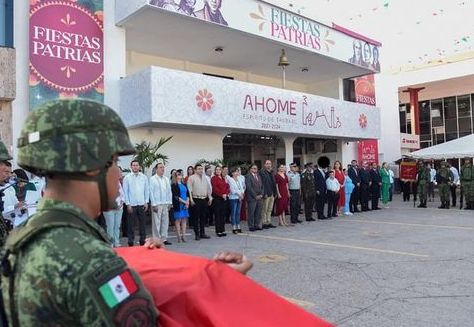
{"x": 147, "y": 153}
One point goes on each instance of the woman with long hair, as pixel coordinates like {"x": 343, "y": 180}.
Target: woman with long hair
{"x": 189, "y": 172}
{"x": 339, "y": 175}
{"x": 180, "y": 205}
{"x": 283, "y": 196}
{"x": 220, "y": 193}
{"x": 385, "y": 174}
{"x": 236, "y": 196}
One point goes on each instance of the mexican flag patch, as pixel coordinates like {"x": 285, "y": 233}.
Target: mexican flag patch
{"x": 118, "y": 289}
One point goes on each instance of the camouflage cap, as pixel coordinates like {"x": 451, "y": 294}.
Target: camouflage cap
{"x": 4, "y": 155}
{"x": 71, "y": 136}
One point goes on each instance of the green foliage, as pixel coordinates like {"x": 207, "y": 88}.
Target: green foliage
{"x": 147, "y": 153}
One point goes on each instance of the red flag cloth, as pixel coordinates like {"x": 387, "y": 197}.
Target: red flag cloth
{"x": 193, "y": 291}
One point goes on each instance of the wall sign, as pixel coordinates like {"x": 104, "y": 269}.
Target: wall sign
{"x": 66, "y": 50}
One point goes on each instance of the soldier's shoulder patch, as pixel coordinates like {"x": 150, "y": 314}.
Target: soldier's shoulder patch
{"x": 135, "y": 312}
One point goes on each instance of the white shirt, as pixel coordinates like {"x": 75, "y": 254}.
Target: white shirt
{"x": 433, "y": 175}
{"x": 390, "y": 175}
{"x": 455, "y": 174}
{"x": 9, "y": 198}
{"x": 236, "y": 188}
{"x": 160, "y": 190}
{"x": 209, "y": 181}
{"x": 33, "y": 197}
{"x": 332, "y": 184}
{"x": 135, "y": 189}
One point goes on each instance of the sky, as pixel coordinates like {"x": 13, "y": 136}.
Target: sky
{"x": 414, "y": 33}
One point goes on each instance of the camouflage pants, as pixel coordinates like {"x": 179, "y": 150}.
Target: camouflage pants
{"x": 422, "y": 191}
{"x": 468, "y": 189}
{"x": 443, "y": 192}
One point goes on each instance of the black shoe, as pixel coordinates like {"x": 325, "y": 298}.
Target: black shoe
{"x": 356, "y": 210}
{"x": 265, "y": 226}
{"x": 206, "y": 237}
{"x": 167, "y": 243}
{"x": 271, "y": 226}
{"x": 259, "y": 228}
{"x": 130, "y": 244}
{"x": 322, "y": 218}
{"x": 299, "y": 221}
{"x": 223, "y": 234}
{"x": 311, "y": 219}
{"x": 251, "y": 229}
{"x": 235, "y": 231}
{"x": 197, "y": 238}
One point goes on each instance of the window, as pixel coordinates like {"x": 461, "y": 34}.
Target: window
{"x": 424, "y": 111}
{"x": 464, "y": 106}
{"x": 450, "y": 108}
{"x": 6, "y": 23}
{"x": 437, "y": 115}
{"x": 403, "y": 120}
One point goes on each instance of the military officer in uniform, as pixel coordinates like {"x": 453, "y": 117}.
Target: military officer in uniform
{"x": 308, "y": 191}
{"x": 467, "y": 183}
{"x": 423, "y": 180}
{"x": 444, "y": 178}
{"x": 4, "y": 175}
{"x": 59, "y": 269}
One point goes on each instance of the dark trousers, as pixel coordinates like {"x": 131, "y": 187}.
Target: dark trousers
{"x": 406, "y": 191}
{"x": 375, "y": 195}
{"x": 295, "y": 205}
{"x": 210, "y": 215}
{"x": 254, "y": 208}
{"x": 364, "y": 196}
{"x": 308, "y": 206}
{"x": 354, "y": 200}
{"x": 332, "y": 198}
{"x": 200, "y": 211}
{"x": 138, "y": 214}
{"x": 219, "y": 205}
{"x": 320, "y": 201}
{"x": 453, "y": 194}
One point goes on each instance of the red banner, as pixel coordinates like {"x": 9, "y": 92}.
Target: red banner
{"x": 408, "y": 171}
{"x": 365, "y": 90}
{"x": 369, "y": 151}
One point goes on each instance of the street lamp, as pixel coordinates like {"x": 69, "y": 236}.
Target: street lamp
{"x": 283, "y": 63}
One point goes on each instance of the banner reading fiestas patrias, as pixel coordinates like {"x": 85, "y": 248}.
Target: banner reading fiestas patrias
{"x": 66, "y": 50}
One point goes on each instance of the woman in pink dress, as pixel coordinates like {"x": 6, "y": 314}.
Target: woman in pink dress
{"x": 283, "y": 195}
{"x": 339, "y": 175}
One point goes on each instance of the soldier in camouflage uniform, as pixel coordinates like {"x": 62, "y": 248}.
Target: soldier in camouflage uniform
{"x": 423, "y": 180}
{"x": 444, "y": 178}
{"x": 467, "y": 183}
{"x": 59, "y": 267}
{"x": 308, "y": 191}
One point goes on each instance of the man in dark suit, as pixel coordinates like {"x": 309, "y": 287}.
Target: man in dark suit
{"x": 320, "y": 186}
{"x": 308, "y": 190}
{"x": 254, "y": 190}
{"x": 375, "y": 186}
{"x": 354, "y": 176}
{"x": 365, "y": 183}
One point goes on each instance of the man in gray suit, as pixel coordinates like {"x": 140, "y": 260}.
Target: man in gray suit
{"x": 254, "y": 189}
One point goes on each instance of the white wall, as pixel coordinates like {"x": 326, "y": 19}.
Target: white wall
{"x": 185, "y": 148}
{"x": 386, "y": 92}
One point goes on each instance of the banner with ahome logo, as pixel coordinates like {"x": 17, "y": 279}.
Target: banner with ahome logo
{"x": 66, "y": 50}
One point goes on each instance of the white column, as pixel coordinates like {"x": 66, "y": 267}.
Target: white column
{"x": 288, "y": 149}
{"x": 115, "y": 56}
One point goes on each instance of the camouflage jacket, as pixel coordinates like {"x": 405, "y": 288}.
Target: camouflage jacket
{"x": 467, "y": 174}
{"x": 67, "y": 277}
{"x": 307, "y": 184}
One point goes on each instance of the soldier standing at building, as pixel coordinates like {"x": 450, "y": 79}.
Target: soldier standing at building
{"x": 444, "y": 178}
{"x": 467, "y": 183}
{"x": 423, "y": 180}
{"x": 308, "y": 191}
{"x": 59, "y": 269}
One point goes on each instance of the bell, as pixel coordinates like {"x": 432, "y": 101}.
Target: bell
{"x": 283, "y": 59}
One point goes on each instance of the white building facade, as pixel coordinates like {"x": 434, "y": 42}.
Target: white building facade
{"x": 209, "y": 77}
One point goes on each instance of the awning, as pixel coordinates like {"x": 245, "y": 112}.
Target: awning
{"x": 460, "y": 148}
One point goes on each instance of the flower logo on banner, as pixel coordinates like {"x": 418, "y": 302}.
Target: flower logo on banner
{"x": 204, "y": 100}
{"x": 362, "y": 120}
